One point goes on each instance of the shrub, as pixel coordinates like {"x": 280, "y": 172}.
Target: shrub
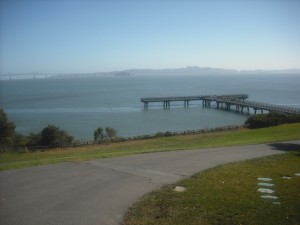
{"x": 98, "y": 134}
{"x": 49, "y": 136}
{"x": 52, "y": 135}
{"x": 111, "y": 132}
{"x": 33, "y": 139}
{"x": 168, "y": 134}
{"x": 7, "y": 130}
{"x": 160, "y": 134}
{"x": 271, "y": 119}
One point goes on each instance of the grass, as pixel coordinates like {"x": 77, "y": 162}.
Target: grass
{"x": 208, "y": 140}
{"x": 226, "y": 195}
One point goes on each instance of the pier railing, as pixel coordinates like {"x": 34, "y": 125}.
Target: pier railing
{"x": 190, "y": 98}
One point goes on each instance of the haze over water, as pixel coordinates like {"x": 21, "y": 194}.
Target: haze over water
{"x": 81, "y": 105}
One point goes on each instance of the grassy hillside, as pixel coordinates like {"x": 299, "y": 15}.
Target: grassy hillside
{"x": 209, "y": 140}
{"x": 227, "y": 194}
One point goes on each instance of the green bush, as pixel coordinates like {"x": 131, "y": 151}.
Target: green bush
{"x": 271, "y": 119}
{"x": 168, "y": 134}
{"x": 52, "y": 135}
{"x": 111, "y": 132}
{"x": 7, "y": 130}
{"x": 160, "y": 134}
{"x": 98, "y": 134}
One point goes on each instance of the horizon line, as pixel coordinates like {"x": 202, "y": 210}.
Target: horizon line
{"x": 175, "y": 68}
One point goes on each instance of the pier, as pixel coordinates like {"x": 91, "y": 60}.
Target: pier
{"x": 186, "y": 99}
{"x": 225, "y": 102}
{"x": 167, "y": 100}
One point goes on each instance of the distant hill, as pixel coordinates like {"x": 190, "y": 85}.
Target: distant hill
{"x": 122, "y": 74}
{"x": 207, "y": 71}
{"x": 182, "y": 71}
{"x": 191, "y": 70}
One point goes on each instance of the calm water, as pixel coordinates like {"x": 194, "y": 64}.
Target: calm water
{"x": 81, "y": 105}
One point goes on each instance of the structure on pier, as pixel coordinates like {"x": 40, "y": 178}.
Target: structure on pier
{"x": 223, "y": 101}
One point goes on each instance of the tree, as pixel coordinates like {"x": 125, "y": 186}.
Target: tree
{"x": 52, "y": 135}
{"x": 7, "y": 130}
{"x": 111, "y": 132}
{"x": 98, "y": 134}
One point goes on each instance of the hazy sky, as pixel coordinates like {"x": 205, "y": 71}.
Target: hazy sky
{"x": 90, "y": 36}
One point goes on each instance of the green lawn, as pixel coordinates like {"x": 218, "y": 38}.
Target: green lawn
{"x": 208, "y": 140}
{"x": 227, "y": 194}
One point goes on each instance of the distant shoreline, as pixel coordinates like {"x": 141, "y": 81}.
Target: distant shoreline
{"x": 198, "y": 71}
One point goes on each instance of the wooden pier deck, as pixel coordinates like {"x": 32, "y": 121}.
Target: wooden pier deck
{"x": 186, "y": 99}
{"x": 224, "y": 101}
{"x": 241, "y": 105}
{"x": 167, "y": 100}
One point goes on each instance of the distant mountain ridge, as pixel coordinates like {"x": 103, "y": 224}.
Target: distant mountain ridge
{"x": 191, "y": 70}
{"x": 182, "y": 71}
{"x": 195, "y": 70}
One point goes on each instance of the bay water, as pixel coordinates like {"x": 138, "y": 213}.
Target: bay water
{"x": 80, "y": 105}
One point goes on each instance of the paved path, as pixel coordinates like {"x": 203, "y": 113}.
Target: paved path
{"x": 100, "y": 191}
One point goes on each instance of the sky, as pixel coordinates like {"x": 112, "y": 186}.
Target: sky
{"x": 85, "y": 36}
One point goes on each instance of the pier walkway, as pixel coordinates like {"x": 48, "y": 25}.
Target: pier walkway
{"x": 225, "y": 102}
{"x": 186, "y": 99}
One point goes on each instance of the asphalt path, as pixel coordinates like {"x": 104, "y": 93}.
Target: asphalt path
{"x": 99, "y": 192}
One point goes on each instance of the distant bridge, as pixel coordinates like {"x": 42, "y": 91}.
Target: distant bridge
{"x": 26, "y": 76}
{"x": 223, "y": 101}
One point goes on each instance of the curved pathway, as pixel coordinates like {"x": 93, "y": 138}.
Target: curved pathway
{"x": 100, "y": 191}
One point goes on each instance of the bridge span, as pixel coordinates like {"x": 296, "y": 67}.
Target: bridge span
{"x": 223, "y": 101}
